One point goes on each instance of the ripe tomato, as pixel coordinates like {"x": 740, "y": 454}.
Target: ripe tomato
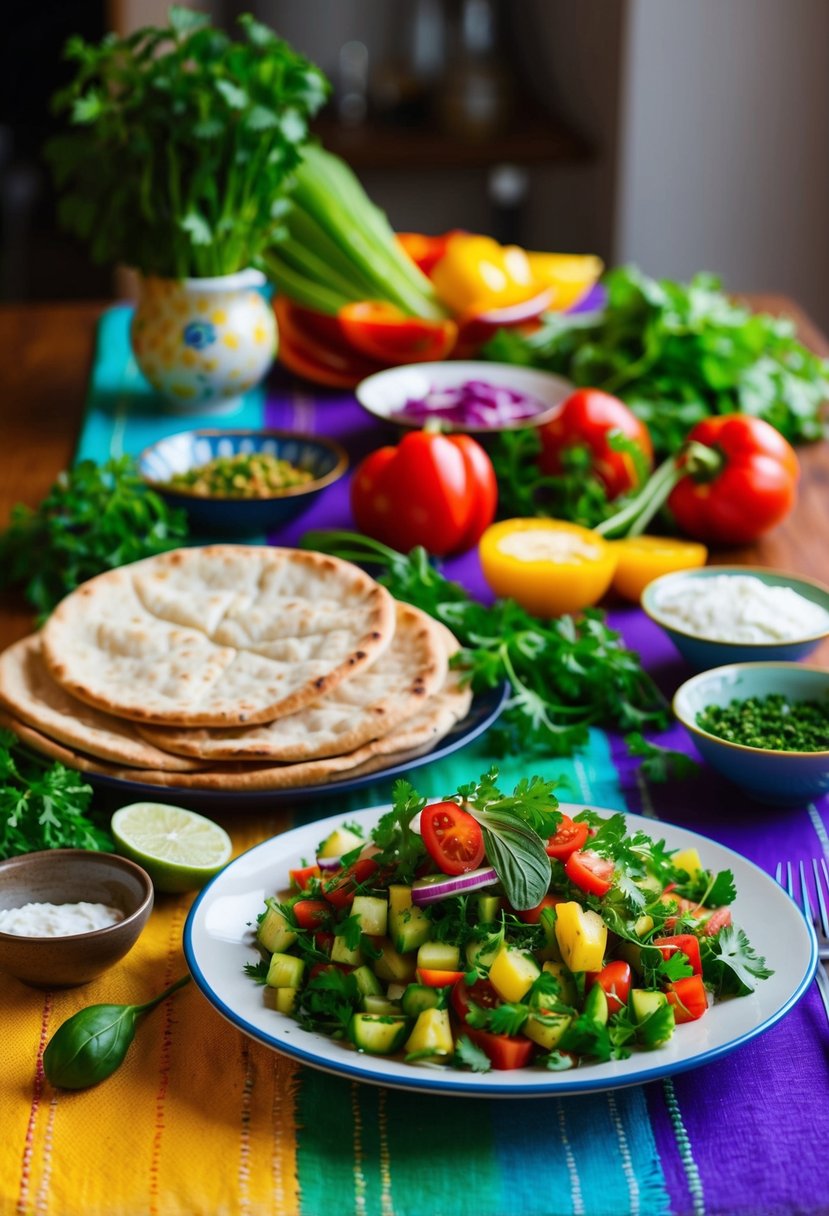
{"x": 745, "y": 485}
{"x": 532, "y": 916}
{"x": 480, "y": 993}
{"x": 308, "y": 913}
{"x": 569, "y": 837}
{"x": 615, "y": 978}
{"x": 687, "y": 943}
{"x": 688, "y": 998}
{"x": 590, "y": 872}
{"x": 720, "y": 918}
{"x": 586, "y": 419}
{"x": 341, "y": 890}
{"x": 434, "y": 490}
{"x": 503, "y": 1050}
{"x": 453, "y": 839}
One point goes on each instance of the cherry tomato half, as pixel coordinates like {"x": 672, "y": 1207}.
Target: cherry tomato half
{"x": 532, "y": 916}
{"x": 687, "y": 943}
{"x": 615, "y": 978}
{"x": 341, "y": 890}
{"x": 569, "y": 837}
{"x": 480, "y": 993}
{"x": 590, "y": 872}
{"x": 453, "y": 839}
{"x": 308, "y": 913}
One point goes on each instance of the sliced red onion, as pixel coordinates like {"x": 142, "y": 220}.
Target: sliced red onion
{"x": 414, "y": 824}
{"x": 441, "y": 886}
{"x": 473, "y": 403}
{"x": 328, "y": 864}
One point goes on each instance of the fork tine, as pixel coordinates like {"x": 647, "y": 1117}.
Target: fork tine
{"x": 805, "y": 898}
{"x": 824, "y": 916}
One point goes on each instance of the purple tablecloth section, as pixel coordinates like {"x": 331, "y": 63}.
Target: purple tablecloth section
{"x": 747, "y": 1133}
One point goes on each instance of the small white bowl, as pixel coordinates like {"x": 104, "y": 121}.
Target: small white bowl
{"x": 385, "y": 393}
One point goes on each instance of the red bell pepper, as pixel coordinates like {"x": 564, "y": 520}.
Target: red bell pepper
{"x": 688, "y": 998}
{"x": 434, "y": 490}
{"x": 734, "y": 479}
{"x": 586, "y": 419}
{"x": 312, "y": 345}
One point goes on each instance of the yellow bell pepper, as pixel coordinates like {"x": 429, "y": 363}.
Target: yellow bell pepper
{"x": 641, "y": 559}
{"x": 571, "y": 275}
{"x": 477, "y": 274}
{"x": 582, "y": 936}
{"x": 549, "y": 567}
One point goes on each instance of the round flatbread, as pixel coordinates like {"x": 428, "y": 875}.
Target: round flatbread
{"x": 217, "y": 636}
{"x": 28, "y": 691}
{"x": 366, "y": 706}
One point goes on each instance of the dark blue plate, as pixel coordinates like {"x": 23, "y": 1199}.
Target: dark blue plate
{"x": 484, "y": 710}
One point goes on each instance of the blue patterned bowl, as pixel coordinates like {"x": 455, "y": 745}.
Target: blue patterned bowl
{"x": 784, "y": 778}
{"x": 223, "y": 515}
{"x": 702, "y": 652}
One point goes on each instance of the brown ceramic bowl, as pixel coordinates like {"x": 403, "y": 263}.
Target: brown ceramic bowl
{"x": 68, "y": 876}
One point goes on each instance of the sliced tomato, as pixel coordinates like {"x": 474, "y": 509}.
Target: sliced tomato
{"x": 503, "y": 1050}
{"x": 313, "y": 346}
{"x": 480, "y": 993}
{"x": 341, "y": 890}
{"x": 590, "y": 872}
{"x": 453, "y": 839}
{"x": 309, "y": 913}
{"x": 615, "y": 978}
{"x": 531, "y": 916}
{"x": 686, "y": 942}
{"x": 382, "y": 331}
{"x": 323, "y": 941}
{"x": 438, "y": 979}
{"x": 301, "y": 877}
{"x": 569, "y": 837}
{"x": 688, "y": 998}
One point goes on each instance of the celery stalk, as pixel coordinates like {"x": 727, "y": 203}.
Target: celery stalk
{"x": 300, "y": 288}
{"x": 305, "y": 232}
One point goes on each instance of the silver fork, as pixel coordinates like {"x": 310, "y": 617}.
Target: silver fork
{"x": 785, "y": 875}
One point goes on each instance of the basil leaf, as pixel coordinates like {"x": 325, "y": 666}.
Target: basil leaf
{"x": 518, "y": 856}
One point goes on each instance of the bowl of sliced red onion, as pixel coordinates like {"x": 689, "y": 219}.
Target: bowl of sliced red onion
{"x": 464, "y": 395}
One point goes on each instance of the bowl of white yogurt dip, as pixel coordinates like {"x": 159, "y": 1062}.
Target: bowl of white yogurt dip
{"x": 67, "y": 915}
{"x": 739, "y": 614}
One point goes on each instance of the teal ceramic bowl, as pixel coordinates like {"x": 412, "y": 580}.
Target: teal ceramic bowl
{"x": 785, "y": 778}
{"x": 219, "y": 515}
{"x": 703, "y": 652}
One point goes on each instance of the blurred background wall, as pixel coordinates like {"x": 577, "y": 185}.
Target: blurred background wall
{"x": 678, "y": 136}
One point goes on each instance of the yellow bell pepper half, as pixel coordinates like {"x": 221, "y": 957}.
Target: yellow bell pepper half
{"x": 477, "y": 274}
{"x": 547, "y": 566}
{"x": 641, "y": 559}
{"x": 570, "y": 275}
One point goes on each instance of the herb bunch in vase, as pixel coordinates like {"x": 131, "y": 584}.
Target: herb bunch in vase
{"x": 177, "y": 162}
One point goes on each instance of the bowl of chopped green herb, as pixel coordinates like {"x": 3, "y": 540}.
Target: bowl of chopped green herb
{"x": 241, "y": 482}
{"x": 764, "y": 726}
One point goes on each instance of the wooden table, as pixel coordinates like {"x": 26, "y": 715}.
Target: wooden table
{"x": 46, "y": 354}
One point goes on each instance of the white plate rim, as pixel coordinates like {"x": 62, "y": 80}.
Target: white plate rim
{"x": 333, "y": 1057}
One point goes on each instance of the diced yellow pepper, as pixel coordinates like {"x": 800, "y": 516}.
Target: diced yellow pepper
{"x": 432, "y": 1033}
{"x": 688, "y": 860}
{"x": 513, "y": 973}
{"x": 582, "y": 937}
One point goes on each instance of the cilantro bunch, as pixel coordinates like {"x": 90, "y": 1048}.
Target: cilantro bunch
{"x": 565, "y": 675}
{"x": 181, "y": 142}
{"x": 677, "y": 353}
{"x": 94, "y": 518}
{"x": 42, "y": 805}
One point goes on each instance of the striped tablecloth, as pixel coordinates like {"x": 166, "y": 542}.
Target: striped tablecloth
{"x": 201, "y": 1120}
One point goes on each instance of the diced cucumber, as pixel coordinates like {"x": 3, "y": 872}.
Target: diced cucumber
{"x": 285, "y": 999}
{"x": 488, "y": 907}
{"x": 379, "y": 1034}
{"x": 546, "y": 1031}
{"x": 645, "y": 1001}
{"x": 595, "y": 1005}
{"x": 438, "y": 956}
{"x": 372, "y": 913}
{"x": 409, "y": 927}
{"x": 274, "y": 933}
{"x": 366, "y": 981}
{"x": 392, "y": 966}
{"x": 285, "y": 971}
{"x": 630, "y": 953}
{"x": 481, "y": 951}
{"x": 432, "y": 1035}
{"x": 341, "y": 953}
{"x": 567, "y": 985}
{"x": 418, "y": 997}
{"x": 341, "y": 840}
{"x": 381, "y": 1005}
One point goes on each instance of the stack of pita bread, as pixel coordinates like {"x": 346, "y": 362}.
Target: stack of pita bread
{"x": 233, "y": 667}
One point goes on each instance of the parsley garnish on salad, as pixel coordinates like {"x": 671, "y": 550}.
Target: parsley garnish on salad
{"x": 490, "y": 930}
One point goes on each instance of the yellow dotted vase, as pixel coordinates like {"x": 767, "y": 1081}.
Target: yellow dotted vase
{"x": 202, "y": 343}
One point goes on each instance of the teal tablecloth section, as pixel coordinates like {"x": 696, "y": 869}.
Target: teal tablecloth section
{"x": 740, "y": 1137}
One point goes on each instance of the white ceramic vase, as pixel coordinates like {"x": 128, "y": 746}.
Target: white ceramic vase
{"x": 202, "y": 343}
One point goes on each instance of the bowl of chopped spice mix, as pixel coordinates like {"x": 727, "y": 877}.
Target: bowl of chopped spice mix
{"x": 241, "y": 482}
{"x": 764, "y": 726}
